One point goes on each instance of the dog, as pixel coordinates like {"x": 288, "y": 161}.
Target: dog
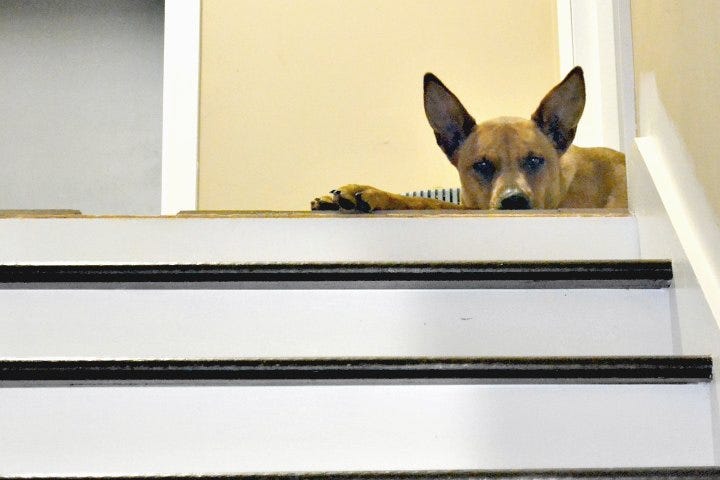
{"x": 508, "y": 163}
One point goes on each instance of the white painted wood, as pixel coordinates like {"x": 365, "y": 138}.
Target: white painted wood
{"x": 696, "y": 327}
{"x": 170, "y": 430}
{"x": 95, "y": 324}
{"x": 625, "y": 73}
{"x": 676, "y": 221}
{"x": 566, "y": 51}
{"x": 593, "y": 48}
{"x": 651, "y": 203}
{"x": 690, "y": 213}
{"x": 181, "y": 89}
{"x": 346, "y": 239}
{"x": 682, "y": 195}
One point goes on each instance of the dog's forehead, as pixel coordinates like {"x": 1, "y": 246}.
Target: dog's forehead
{"x": 507, "y": 132}
{"x": 504, "y": 140}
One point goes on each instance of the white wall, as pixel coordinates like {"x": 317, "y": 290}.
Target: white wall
{"x": 81, "y": 105}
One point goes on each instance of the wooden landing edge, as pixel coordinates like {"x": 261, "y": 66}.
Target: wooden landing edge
{"x": 359, "y": 371}
{"x": 62, "y": 213}
{"x": 566, "y": 213}
{"x": 590, "y": 212}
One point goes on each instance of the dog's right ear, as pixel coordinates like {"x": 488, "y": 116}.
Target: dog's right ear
{"x": 448, "y": 118}
{"x": 560, "y": 111}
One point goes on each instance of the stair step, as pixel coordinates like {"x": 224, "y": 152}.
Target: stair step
{"x": 162, "y": 429}
{"x": 577, "y": 370}
{"x": 266, "y": 238}
{"x": 687, "y": 473}
{"x": 225, "y": 323}
{"x": 620, "y": 274}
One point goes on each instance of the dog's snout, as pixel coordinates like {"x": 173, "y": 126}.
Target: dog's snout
{"x": 516, "y": 201}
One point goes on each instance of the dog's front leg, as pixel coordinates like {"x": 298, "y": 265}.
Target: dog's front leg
{"x": 364, "y": 198}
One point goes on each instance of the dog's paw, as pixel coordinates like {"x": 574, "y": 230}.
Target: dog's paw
{"x": 371, "y": 199}
{"x": 326, "y": 202}
{"x": 353, "y": 198}
{"x": 339, "y": 199}
{"x": 344, "y": 196}
{"x": 361, "y": 198}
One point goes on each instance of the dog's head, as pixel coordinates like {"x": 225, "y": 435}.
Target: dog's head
{"x": 507, "y": 163}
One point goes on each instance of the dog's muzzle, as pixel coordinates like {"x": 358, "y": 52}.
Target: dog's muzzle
{"x": 515, "y": 200}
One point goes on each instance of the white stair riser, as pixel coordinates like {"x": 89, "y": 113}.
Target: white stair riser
{"x": 165, "y": 430}
{"x": 332, "y": 323}
{"x": 344, "y": 239}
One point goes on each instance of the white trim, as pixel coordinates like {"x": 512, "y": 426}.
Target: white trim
{"x": 566, "y": 53}
{"x": 625, "y": 72}
{"x": 593, "y": 45}
{"x": 181, "y": 88}
{"x": 625, "y": 90}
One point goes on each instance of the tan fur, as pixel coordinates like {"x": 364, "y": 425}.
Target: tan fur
{"x": 595, "y": 177}
{"x": 569, "y": 176}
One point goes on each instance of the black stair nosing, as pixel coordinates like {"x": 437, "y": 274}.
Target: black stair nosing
{"x": 413, "y": 370}
{"x": 660, "y": 473}
{"x": 515, "y": 274}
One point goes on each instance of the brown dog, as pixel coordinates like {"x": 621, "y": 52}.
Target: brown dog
{"x": 508, "y": 163}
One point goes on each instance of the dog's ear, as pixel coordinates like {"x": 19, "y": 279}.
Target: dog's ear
{"x": 560, "y": 111}
{"x": 448, "y": 118}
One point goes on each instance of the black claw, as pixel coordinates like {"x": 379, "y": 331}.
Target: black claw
{"x": 345, "y": 203}
{"x": 362, "y": 205}
{"x": 321, "y": 205}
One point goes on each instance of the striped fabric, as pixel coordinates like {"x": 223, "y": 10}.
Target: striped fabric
{"x": 451, "y": 195}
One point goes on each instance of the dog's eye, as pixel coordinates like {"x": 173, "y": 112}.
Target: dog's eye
{"x": 533, "y": 163}
{"x": 485, "y": 168}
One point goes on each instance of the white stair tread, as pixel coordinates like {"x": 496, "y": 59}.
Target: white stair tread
{"x": 316, "y": 239}
{"x": 297, "y": 323}
{"x": 231, "y": 429}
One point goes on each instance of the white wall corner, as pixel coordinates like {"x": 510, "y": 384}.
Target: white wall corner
{"x": 566, "y": 53}
{"x": 181, "y": 88}
{"x": 625, "y": 73}
{"x": 587, "y": 37}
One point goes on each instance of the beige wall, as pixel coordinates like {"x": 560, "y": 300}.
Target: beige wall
{"x": 300, "y": 96}
{"x": 677, "y": 41}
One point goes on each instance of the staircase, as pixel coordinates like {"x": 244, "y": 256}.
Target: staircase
{"x": 448, "y": 346}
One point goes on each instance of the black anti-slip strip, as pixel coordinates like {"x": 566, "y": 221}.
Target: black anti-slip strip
{"x": 593, "y": 274}
{"x": 690, "y": 473}
{"x": 552, "y": 370}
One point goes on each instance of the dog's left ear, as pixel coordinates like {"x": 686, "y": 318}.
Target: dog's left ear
{"x": 560, "y": 111}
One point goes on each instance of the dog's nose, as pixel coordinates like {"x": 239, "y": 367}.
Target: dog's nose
{"x": 515, "y": 202}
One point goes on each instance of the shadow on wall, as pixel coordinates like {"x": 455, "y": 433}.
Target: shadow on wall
{"x": 82, "y": 83}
